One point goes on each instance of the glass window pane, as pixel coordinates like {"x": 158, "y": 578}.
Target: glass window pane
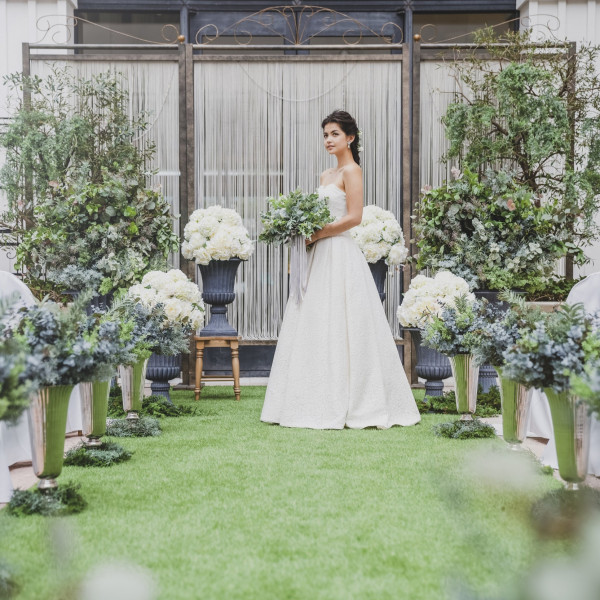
{"x": 458, "y": 28}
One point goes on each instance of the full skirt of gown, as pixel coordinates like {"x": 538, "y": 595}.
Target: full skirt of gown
{"x": 336, "y": 364}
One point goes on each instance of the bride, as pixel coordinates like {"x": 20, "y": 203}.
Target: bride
{"x": 336, "y": 364}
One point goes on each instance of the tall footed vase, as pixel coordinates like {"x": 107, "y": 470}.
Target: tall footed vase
{"x": 465, "y": 373}
{"x": 218, "y": 280}
{"x": 94, "y": 408}
{"x": 516, "y": 404}
{"x": 47, "y": 415}
{"x": 133, "y": 378}
{"x": 571, "y": 423}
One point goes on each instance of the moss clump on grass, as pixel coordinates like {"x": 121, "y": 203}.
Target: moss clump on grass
{"x": 562, "y": 513}
{"x": 142, "y": 427}
{"x": 62, "y": 500}
{"x": 464, "y": 430}
{"x": 104, "y": 456}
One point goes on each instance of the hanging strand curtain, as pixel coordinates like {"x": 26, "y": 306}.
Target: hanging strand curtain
{"x": 258, "y": 133}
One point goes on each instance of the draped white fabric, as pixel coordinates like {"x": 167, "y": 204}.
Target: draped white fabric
{"x": 258, "y": 133}
{"x": 153, "y": 88}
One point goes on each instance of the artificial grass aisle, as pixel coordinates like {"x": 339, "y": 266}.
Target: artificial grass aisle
{"x": 223, "y": 506}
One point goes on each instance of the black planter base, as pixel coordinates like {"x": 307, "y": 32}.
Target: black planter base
{"x": 379, "y": 271}
{"x": 434, "y": 388}
{"x": 161, "y": 388}
{"x": 218, "y": 326}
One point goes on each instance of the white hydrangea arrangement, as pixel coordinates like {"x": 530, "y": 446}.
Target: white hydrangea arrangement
{"x": 380, "y": 236}
{"x": 181, "y": 299}
{"x": 215, "y": 233}
{"x": 427, "y": 296}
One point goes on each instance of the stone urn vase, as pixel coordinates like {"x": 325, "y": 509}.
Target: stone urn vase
{"x": 160, "y": 370}
{"x": 571, "y": 423}
{"x": 94, "y": 408}
{"x": 516, "y": 403}
{"x": 466, "y": 373}
{"x": 218, "y": 279}
{"x": 47, "y": 416}
{"x": 379, "y": 271}
{"x": 133, "y": 378}
{"x": 431, "y": 364}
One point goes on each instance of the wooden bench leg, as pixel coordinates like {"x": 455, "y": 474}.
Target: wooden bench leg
{"x": 199, "y": 361}
{"x": 235, "y": 367}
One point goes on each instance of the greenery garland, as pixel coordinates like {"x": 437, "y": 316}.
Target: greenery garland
{"x": 488, "y": 403}
{"x": 463, "y": 430}
{"x": 103, "y": 456}
{"x": 142, "y": 427}
{"x": 60, "y": 501}
{"x": 152, "y": 406}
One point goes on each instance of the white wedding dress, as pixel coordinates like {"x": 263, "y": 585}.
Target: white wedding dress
{"x": 336, "y": 362}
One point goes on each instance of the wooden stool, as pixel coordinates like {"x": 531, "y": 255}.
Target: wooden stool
{"x": 218, "y": 342}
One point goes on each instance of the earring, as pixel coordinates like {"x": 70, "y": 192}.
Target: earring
{"x": 348, "y": 144}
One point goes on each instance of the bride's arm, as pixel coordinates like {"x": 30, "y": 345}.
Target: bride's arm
{"x": 354, "y": 203}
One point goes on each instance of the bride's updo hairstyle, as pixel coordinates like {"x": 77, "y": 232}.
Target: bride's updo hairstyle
{"x": 348, "y": 126}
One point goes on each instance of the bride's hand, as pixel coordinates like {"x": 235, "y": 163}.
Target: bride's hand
{"x": 311, "y": 240}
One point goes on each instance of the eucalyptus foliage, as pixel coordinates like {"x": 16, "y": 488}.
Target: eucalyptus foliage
{"x": 294, "y": 214}
{"x": 489, "y": 231}
{"x": 15, "y": 358}
{"x": 553, "y": 349}
{"x": 534, "y": 108}
{"x": 70, "y": 345}
{"x": 451, "y": 333}
{"x": 75, "y": 178}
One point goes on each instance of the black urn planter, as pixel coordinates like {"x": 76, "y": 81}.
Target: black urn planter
{"x": 379, "y": 271}
{"x": 160, "y": 370}
{"x": 218, "y": 280}
{"x": 431, "y": 365}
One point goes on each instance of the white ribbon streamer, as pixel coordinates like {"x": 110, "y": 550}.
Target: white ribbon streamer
{"x": 298, "y": 268}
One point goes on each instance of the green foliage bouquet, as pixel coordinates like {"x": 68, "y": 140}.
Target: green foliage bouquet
{"x": 553, "y": 349}
{"x": 490, "y": 232}
{"x": 452, "y": 332}
{"x": 294, "y": 214}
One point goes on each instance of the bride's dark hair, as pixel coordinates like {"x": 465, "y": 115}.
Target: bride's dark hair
{"x": 349, "y": 127}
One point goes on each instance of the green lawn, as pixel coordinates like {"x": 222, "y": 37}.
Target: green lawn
{"x": 224, "y": 506}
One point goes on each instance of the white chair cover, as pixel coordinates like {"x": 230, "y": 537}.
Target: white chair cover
{"x": 14, "y": 440}
{"x": 587, "y": 292}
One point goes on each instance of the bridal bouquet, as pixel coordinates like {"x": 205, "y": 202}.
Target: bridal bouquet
{"x": 215, "y": 233}
{"x": 180, "y": 298}
{"x": 293, "y": 219}
{"x": 295, "y": 214}
{"x": 426, "y": 297}
{"x": 380, "y": 236}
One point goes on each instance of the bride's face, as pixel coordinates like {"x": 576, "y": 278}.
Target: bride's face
{"x": 335, "y": 139}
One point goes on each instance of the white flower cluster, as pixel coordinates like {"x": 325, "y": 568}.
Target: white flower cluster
{"x": 380, "y": 236}
{"x": 180, "y": 297}
{"x": 215, "y": 233}
{"x": 427, "y": 297}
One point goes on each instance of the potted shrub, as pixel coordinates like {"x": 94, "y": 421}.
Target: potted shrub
{"x": 85, "y": 216}
{"x": 182, "y": 303}
{"x": 217, "y": 240}
{"x": 451, "y": 334}
{"x": 380, "y": 238}
{"x": 426, "y": 297}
